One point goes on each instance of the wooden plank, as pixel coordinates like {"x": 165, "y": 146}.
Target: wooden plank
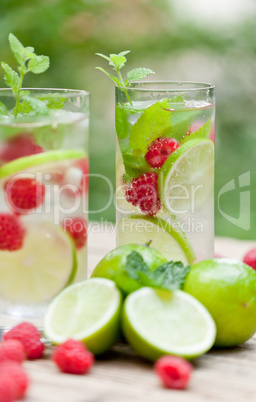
{"x": 122, "y": 376}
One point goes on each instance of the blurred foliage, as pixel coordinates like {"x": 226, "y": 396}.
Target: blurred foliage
{"x": 71, "y": 32}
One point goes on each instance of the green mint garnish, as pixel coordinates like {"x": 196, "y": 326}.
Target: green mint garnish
{"x": 117, "y": 61}
{"x": 170, "y": 275}
{"x": 28, "y": 61}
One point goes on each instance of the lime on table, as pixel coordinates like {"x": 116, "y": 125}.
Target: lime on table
{"x": 88, "y": 311}
{"x": 41, "y": 268}
{"x": 227, "y": 288}
{"x": 186, "y": 177}
{"x": 163, "y": 237}
{"x": 39, "y": 159}
{"x": 158, "y": 322}
{"x": 112, "y": 266}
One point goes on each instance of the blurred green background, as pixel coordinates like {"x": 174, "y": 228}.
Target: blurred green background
{"x": 180, "y": 40}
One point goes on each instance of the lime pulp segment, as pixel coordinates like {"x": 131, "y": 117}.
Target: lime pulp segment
{"x": 156, "y": 323}
{"x": 186, "y": 178}
{"x": 162, "y": 235}
{"x": 88, "y": 311}
{"x": 34, "y": 275}
{"x": 33, "y": 160}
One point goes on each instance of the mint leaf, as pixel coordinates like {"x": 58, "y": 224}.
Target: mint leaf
{"x": 11, "y": 77}
{"x": 177, "y": 99}
{"x": 135, "y": 265}
{"x": 139, "y": 73}
{"x": 17, "y": 48}
{"x": 53, "y": 101}
{"x": 3, "y": 109}
{"x": 118, "y": 60}
{"x": 203, "y": 132}
{"x": 115, "y": 79}
{"x": 170, "y": 275}
{"x": 103, "y": 56}
{"x": 151, "y": 124}
{"x": 39, "y": 64}
{"x": 39, "y": 107}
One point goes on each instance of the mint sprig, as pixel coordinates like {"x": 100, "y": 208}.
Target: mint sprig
{"x": 117, "y": 61}
{"x": 170, "y": 275}
{"x": 28, "y": 61}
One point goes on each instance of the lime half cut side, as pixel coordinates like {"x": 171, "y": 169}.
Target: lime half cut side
{"x": 161, "y": 235}
{"x": 158, "y": 322}
{"x": 88, "y": 311}
{"x": 39, "y": 159}
{"x": 186, "y": 177}
{"x": 41, "y": 269}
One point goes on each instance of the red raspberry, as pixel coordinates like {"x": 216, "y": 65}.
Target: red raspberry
{"x": 12, "y": 350}
{"x": 250, "y": 258}
{"x": 21, "y": 145}
{"x": 159, "y": 150}
{"x": 8, "y": 388}
{"x": 174, "y": 372}
{"x": 24, "y": 194}
{"x": 142, "y": 192}
{"x": 19, "y": 378}
{"x": 12, "y": 232}
{"x": 73, "y": 357}
{"x": 30, "y": 337}
{"x": 77, "y": 229}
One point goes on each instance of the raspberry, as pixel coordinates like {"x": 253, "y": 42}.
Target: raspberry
{"x": 142, "y": 192}
{"x": 19, "y": 378}
{"x": 174, "y": 372}
{"x": 24, "y": 194}
{"x": 12, "y": 350}
{"x": 29, "y": 336}
{"x": 77, "y": 229}
{"x": 8, "y": 388}
{"x": 159, "y": 150}
{"x": 250, "y": 258}
{"x": 12, "y": 232}
{"x": 21, "y": 145}
{"x": 72, "y": 357}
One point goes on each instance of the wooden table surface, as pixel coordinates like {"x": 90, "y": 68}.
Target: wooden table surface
{"x": 122, "y": 376}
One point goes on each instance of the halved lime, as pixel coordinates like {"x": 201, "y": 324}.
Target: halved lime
{"x": 41, "y": 269}
{"x": 163, "y": 237}
{"x": 158, "y": 322}
{"x": 33, "y": 160}
{"x": 186, "y": 177}
{"x": 88, "y": 311}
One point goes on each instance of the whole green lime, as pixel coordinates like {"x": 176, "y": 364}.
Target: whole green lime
{"x": 112, "y": 266}
{"x": 227, "y": 288}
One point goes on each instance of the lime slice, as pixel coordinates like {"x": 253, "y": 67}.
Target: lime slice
{"x": 33, "y": 160}
{"x": 41, "y": 269}
{"x": 88, "y": 311}
{"x": 156, "y": 323}
{"x": 163, "y": 237}
{"x": 186, "y": 177}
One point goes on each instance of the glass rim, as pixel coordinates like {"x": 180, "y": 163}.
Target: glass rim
{"x": 69, "y": 93}
{"x": 193, "y": 86}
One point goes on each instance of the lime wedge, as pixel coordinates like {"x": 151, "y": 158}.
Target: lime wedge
{"x": 88, "y": 311}
{"x": 33, "y": 160}
{"x": 41, "y": 269}
{"x": 186, "y": 177}
{"x": 163, "y": 237}
{"x": 156, "y": 323}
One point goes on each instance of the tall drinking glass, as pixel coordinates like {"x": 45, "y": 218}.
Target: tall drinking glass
{"x": 165, "y": 168}
{"x": 43, "y": 208}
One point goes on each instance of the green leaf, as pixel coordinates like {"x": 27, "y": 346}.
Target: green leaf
{"x": 17, "y": 48}
{"x": 203, "y": 132}
{"x": 11, "y": 77}
{"x": 118, "y": 60}
{"x": 29, "y": 53}
{"x": 103, "y": 55}
{"x": 53, "y": 101}
{"x": 139, "y": 73}
{"x": 115, "y": 79}
{"x": 177, "y": 99}
{"x": 39, "y": 64}
{"x": 135, "y": 265}
{"x": 3, "y": 109}
{"x": 170, "y": 275}
{"x": 37, "y": 106}
{"x": 151, "y": 124}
